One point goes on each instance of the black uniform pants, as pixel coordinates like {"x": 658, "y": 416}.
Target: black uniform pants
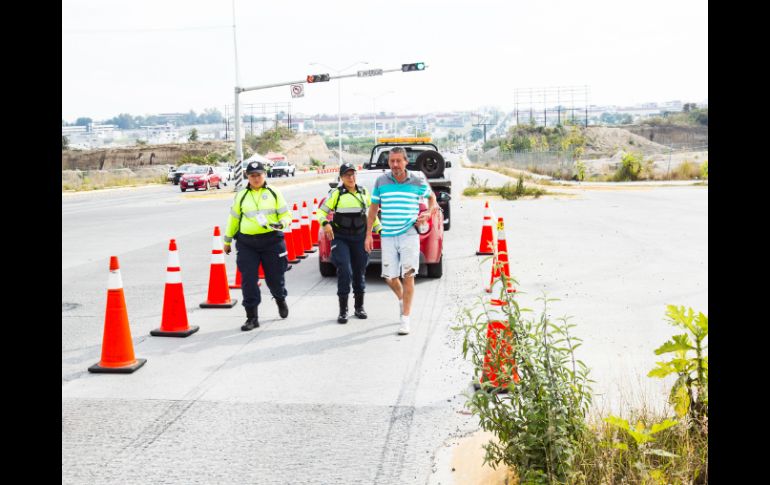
{"x": 350, "y": 257}
{"x": 268, "y": 249}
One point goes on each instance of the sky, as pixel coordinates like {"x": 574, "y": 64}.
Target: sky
{"x": 148, "y": 57}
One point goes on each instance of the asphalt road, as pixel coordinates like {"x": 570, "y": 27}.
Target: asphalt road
{"x": 306, "y": 400}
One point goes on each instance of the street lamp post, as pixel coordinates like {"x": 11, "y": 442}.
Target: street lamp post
{"x": 374, "y": 108}
{"x": 339, "y": 99}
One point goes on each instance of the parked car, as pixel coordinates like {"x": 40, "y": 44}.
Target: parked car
{"x": 170, "y": 175}
{"x": 177, "y": 174}
{"x": 283, "y": 168}
{"x": 431, "y": 242}
{"x": 224, "y": 172}
{"x": 200, "y": 177}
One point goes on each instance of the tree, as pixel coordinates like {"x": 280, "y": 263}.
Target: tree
{"x": 65, "y": 143}
{"x": 124, "y": 121}
{"x": 476, "y": 133}
{"x": 193, "y": 135}
{"x": 83, "y": 121}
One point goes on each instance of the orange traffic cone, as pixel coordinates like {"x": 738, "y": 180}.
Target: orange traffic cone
{"x": 500, "y": 267}
{"x": 117, "y": 347}
{"x": 291, "y": 254}
{"x": 307, "y": 240}
{"x": 174, "y": 320}
{"x": 498, "y": 356}
{"x": 239, "y": 278}
{"x": 487, "y": 243}
{"x": 296, "y": 234}
{"x": 314, "y": 225}
{"x": 261, "y": 274}
{"x": 219, "y": 294}
{"x": 237, "y": 284}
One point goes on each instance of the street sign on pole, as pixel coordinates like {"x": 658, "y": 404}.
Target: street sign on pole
{"x": 297, "y": 90}
{"x": 370, "y": 72}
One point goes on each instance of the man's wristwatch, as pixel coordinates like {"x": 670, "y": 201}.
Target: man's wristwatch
{"x": 324, "y": 223}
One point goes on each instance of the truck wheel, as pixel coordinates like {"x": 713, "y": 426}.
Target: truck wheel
{"x": 431, "y": 163}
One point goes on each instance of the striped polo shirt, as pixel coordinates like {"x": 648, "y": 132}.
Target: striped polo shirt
{"x": 399, "y": 202}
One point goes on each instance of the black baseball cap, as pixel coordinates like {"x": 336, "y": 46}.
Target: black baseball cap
{"x": 254, "y": 167}
{"x": 345, "y": 167}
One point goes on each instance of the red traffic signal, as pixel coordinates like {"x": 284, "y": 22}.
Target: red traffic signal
{"x": 317, "y": 78}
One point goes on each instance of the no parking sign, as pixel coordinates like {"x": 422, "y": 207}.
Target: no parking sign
{"x": 297, "y": 90}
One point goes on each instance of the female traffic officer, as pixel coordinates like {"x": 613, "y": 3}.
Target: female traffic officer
{"x": 257, "y": 218}
{"x": 347, "y": 230}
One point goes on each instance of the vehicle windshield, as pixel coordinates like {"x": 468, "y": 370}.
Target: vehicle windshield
{"x": 411, "y": 156}
{"x": 184, "y": 168}
{"x": 198, "y": 169}
{"x": 281, "y": 164}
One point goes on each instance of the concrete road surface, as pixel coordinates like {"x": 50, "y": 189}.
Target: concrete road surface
{"x": 306, "y": 400}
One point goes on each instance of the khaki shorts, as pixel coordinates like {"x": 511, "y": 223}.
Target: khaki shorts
{"x": 401, "y": 254}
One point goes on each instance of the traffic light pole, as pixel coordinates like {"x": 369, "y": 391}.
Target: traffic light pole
{"x": 238, "y": 91}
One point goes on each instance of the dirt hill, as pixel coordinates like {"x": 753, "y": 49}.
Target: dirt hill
{"x": 602, "y": 140}
{"x": 299, "y": 150}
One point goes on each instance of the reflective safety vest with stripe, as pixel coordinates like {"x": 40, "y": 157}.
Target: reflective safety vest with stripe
{"x": 247, "y": 206}
{"x": 350, "y": 210}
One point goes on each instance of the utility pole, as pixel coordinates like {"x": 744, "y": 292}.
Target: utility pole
{"x": 485, "y": 127}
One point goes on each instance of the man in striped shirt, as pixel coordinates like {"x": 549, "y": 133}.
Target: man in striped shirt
{"x": 398, "y": 193}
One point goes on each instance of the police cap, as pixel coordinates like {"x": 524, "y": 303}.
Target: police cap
{"x": 345, "y": 167}
{"x": 255, "y": 167}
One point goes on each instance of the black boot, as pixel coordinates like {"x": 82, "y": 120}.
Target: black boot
{"x": 359, "y": 305}
{"x": 252, "y": 321}
{"x": 283, "y": 308}
{"x": 343, "y": 318}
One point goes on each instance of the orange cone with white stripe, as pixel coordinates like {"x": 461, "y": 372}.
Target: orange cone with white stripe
{"x": 291, "y": 254}
{"x": 500, "y": 267}
{"x": 487, "y": 243}
{"x": 174, "y": 320}
{"x": 296, "y": 234}
{"x": 239, "y": 278}
{"x": 314, "y": 225}
{"x": 219, "y": 294}
{"x": 307, "y": 240}
{"x": 499, "y": 366}
{"x": 117, "y": 346}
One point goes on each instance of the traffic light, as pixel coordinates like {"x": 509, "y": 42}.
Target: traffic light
{"x": 317, "y": 78}
{"x": 417, "y": 66}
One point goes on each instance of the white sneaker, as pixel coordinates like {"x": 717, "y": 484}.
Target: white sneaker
{"x": 403, "y": 329}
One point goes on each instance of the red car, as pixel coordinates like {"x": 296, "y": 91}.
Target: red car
{"x": 199, "y": 177}
{"x": 431, "y": 242}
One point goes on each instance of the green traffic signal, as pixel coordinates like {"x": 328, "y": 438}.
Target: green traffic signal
{"x": 417, "y": 66}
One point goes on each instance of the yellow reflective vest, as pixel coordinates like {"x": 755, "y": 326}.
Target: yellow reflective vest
{"x": 249, "y": 203}
{"x": 348, "y": 202}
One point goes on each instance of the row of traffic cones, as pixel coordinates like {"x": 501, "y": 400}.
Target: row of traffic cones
{"x": 117, "y": 345}
{"x": 499, "y": 366}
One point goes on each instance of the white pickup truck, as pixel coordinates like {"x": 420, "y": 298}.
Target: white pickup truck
{"x": 282, "y": 168}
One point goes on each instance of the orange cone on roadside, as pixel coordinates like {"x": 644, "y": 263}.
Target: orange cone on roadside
{"x": 237, "y": 284}
{"x": 296, "y": 234}
{"x": 239, "y": 278}
{"x": 174, "y": 320}
{"x": 487, "y": 242}
{"x": 500, "y": 267}
{"x": 314, "y": 225}
{"x": 219, "y": 294}
{"x": 117, "y": 347}
{"x": 291, "y": 254}
{"x": 307, "y": 240}
{"x": 261, "y": 274}
{"x": 498, "y": 357}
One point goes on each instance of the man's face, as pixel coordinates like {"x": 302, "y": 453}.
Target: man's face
{"x": 397, "y": 164}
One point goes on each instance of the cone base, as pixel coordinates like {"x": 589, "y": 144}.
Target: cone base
{"x": 315, "y": 244}
{"x": 311, "y": 250}
{"x": 98, "y": 369}
{"x": 181, "y": 333}
{"x": 300, "y": 256}
{"x": 294, "y": 261}
{"x": 229, "y": 304}
{"x": 479, "y": 253}
{"x": 236, "y": 287}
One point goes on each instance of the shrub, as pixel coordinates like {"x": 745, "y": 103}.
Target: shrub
{"x": 534, "y": 394}
{"x": 630, "y": 167}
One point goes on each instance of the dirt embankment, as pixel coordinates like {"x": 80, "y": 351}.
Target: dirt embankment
{"x": 607, "y": 141}
{"x": 139, "y": 156}
{"x": 299, "y": 150}
{"x": 692, "y": 136}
